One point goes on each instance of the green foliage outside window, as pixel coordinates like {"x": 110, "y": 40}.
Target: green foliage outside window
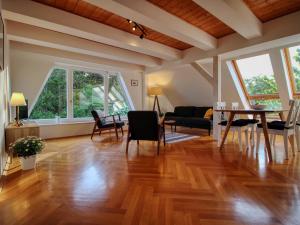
{"x": 296, "y": 70}
{"x": 117, "y": 101}
{"x": 260, "y": 85}
{"x": 88, "y": 93}
{"x": 53, "y": 98}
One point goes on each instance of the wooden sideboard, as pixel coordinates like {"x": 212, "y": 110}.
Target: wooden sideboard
{"x": 12, "y": 133}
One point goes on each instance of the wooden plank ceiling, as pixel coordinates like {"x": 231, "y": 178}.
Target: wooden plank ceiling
{"x": 192, "y": 13}
{"x": 267, "y": 10}
{"x": 187, "y": 10}
{"x": 92, "y": 12}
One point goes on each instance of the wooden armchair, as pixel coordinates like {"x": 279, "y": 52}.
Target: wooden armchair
{"x": 144, "y": 125}
{"x": 101, "y": 124}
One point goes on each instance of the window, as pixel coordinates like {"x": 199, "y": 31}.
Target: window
{"x": 72, "y": 94}
{"x": 53, "y": 98}
{"x": 257, "y": 80}
{"x": 88, "y": 93}
{"x": 292, "y": 56}
{"x": 117, "y": 100}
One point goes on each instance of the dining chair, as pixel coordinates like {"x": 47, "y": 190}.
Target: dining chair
{"x": 283, "y": 128}
{"x": 144, "y": 125}
{"x": 251, "y": 123}
{"x": 102, "y": 124}
{"x": 237, "y": 125}
{"x": 297, "y": 131}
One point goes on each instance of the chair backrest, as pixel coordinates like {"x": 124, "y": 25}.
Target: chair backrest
{"x": 143, "y": 125}
{"x": 293, "y": 114}
{"x": 96, "y": 118}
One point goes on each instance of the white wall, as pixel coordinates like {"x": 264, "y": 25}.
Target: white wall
{"x": 4, "y": 110}
{"x": 182, "y": 85}
{"x": 29, "y": 72}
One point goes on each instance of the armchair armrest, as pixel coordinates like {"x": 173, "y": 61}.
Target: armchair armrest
{"x": 113, "y": 116}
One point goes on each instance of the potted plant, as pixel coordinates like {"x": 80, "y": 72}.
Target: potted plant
{"x": 26, "y": 149}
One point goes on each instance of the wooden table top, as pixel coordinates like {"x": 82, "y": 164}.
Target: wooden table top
{"x": 25, "y": 125}
{"x": 251, "y": 111}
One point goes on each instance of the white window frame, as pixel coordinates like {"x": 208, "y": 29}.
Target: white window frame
{"x": 69, "y": 80}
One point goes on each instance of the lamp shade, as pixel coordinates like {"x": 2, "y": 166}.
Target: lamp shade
{"x": 154, "y": 91}
{"x": 17, "y": 99}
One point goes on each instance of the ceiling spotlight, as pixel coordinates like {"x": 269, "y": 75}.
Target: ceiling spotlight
{"x": 136, "y": 27}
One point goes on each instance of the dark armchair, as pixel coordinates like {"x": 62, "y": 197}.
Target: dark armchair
{"x": 144, "y": 125}
{"x": 101, "y": 124}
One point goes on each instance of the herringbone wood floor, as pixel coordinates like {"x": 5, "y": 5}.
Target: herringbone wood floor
{"x": 79, "y": 181}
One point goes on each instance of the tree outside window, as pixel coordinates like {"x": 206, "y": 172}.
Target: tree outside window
{"x": 53, "y": 98}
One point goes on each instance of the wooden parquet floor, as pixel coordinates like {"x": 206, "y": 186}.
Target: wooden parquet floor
{"x": 79, "y": 181}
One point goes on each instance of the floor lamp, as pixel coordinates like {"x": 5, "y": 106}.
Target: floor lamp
{"x": 155, "y": 91}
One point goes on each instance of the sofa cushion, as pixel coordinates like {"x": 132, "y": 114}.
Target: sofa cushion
{"x": 184, "y": 111}
{"x": 208, "y": 114}
{"x": 200, "y": 111}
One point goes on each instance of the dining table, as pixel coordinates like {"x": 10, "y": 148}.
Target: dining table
{"x": 262, "y": 113}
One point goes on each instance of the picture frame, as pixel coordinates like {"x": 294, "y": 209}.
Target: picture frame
{"x": 134, "y": 83}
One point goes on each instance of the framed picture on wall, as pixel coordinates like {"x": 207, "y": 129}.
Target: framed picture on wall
{"x": 134, "y": 83}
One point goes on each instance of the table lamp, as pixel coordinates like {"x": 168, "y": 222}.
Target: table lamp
{"x": 155, "y": 91}
{"x": 17, "y": 99}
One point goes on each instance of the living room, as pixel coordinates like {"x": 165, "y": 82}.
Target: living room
{"x": 110, "y": 115}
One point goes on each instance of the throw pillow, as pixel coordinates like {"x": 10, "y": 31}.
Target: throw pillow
{"x": 208, "y": 114}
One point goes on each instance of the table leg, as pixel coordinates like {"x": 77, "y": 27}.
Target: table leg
{"x": 265, "y": 130}
{"x": 229, "y": 122}
{"x": 281, "y": 115}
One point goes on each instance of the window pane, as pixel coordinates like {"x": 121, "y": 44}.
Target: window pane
{"x": 117, "y": 100}
{"x": 53, "y": 98}
{"x": 257, "y": 75}
{"x": 88, "y": 93}
{"x": 295, "y": 61}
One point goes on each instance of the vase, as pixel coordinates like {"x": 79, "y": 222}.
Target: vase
{"x": 28, "y": 163}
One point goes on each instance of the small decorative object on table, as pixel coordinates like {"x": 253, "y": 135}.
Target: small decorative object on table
{"x": 258, "y": 107}
{"x": 27, "y": 148}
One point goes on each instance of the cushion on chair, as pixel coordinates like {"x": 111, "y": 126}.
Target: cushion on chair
{"x": 250, "y": 121}
{"x": 235, "y": 123}
{"x": 274, "y": 126}
{"x": 111, "y": 124}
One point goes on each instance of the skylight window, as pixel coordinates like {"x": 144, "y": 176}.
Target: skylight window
{"x": 293, "y": 62}
{"x": 257, "y": 79}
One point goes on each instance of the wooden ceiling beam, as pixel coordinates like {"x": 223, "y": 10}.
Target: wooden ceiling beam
{"x": 39, "y": 15}
{"x": 157, "y": 19}
{"x": 234, "y": 14}
{"x": 47, "y": 38}
{"x": 279, "y": 32}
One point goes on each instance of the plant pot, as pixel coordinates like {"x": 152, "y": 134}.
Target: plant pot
{"x": 28, "y": 162}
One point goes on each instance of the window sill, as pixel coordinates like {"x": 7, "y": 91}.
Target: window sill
{"x": 54, "y": 123}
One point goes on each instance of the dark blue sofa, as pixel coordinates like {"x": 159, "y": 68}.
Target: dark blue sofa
{"x": 190, "y": 116}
